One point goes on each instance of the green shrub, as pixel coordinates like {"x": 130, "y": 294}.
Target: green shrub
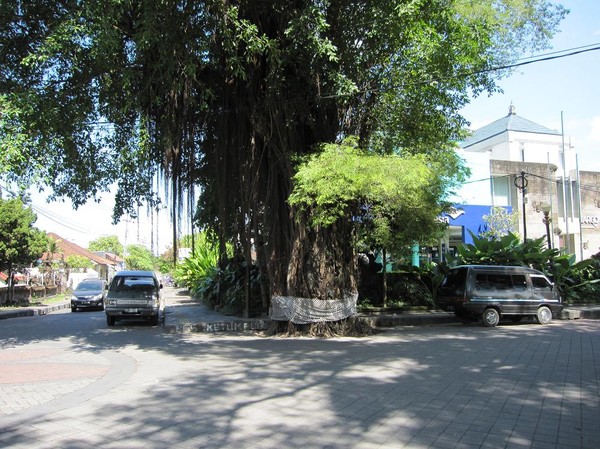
{"x": 405, "y": 288}
{"x": 226, "y": 288}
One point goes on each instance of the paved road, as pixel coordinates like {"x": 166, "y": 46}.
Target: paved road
{"x": 68, "y": 381}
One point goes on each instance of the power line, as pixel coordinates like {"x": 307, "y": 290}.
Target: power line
{"x": 525, "y": 61}
{"x": 59, "y": 220}
{"x": 586, "y": 187}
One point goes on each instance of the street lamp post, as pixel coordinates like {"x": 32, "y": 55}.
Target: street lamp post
{"x": 521, "y": 184}
{"x": 545, "y": 208}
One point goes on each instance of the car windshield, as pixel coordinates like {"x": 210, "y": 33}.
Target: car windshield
{"x": 133, "y": 283}
{"x": 89, "y": 286}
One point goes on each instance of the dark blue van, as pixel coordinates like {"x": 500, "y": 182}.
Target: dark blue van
{"x": 490, "y": 292}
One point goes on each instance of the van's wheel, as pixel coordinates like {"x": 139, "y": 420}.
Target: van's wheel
{"x": 544, "y": 315}
{"x": 490, "y": 317}
{"x": 110, "y": 320}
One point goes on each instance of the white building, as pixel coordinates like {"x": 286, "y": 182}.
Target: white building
{"x": 512, "y": 156}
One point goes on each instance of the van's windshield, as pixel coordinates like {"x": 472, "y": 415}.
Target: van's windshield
{"x": 130, "y": 283}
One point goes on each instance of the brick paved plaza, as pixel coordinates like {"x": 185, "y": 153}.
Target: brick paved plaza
{"x": 442, "y": 386}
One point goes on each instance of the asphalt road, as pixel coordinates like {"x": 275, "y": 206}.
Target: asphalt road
{"x": 69, "y": 381}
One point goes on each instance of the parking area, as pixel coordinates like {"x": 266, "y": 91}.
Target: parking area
{"x": 441, "y": 386}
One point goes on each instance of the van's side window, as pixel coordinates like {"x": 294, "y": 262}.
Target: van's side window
{"x": 499, "y": 282}
{"x": 519, "y": 282}
{"x": 481, "y": 282}
{"x": 540, "y": 282}
{"x": 493, "y": 281}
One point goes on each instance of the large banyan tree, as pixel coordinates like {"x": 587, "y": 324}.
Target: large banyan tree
{"x": 225, "y": 98}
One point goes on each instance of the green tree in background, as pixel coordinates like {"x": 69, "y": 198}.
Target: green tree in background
{"x": 109, "y": 244}
{"x": 75, "y": 261}
{"x": 20, "y": 242}
{"x": 139, "y": 258}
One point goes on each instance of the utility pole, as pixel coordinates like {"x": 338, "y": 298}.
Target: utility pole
{"x": 564, "y": 186}
{"x": 521, "y": 184}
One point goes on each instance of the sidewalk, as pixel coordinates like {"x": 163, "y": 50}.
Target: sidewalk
{"x": 184, "y": 314}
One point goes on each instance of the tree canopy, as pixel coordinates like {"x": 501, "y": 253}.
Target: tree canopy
{"x": 20, "y": 242}
{"x": 139, "y": 258}
{"x": 222, "y": 97}
{"x": 109, "y": 244}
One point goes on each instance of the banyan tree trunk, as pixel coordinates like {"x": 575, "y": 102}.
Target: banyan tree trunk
{"x": 322, "y": 263}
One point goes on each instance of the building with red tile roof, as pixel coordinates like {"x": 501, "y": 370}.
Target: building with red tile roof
{"x": 105, "y": 266}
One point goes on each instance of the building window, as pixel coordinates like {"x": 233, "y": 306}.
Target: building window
{"x": 571, "y": 192}
{"x": 501, "y": 191}
{"x": 522, "y": 147}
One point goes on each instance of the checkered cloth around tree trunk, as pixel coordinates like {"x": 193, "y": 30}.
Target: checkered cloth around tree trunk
{"x": 312, "y": 310}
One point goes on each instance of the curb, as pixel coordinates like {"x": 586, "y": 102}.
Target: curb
{"x": 33, "y": 311}
{"x": 220, "y": 326}
{"x": 411, "y": 319}
{"x": 580, "y": 313}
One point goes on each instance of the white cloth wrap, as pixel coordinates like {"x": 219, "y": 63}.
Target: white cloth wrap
{"x": 312, "y": 310}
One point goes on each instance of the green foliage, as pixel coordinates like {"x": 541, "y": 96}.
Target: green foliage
{"x": 75, "y": 261}
{"x": 411, "y": 292}
{"x": 20, "y": 242}
{"x": 572, "y": 277}
{"x": 430, "y": 276}
{"x": 194, "y": 269}
{"x": 391, "y": 199}
{"x": 587, "y": 282}
{"x": 408, "y": 286}
{"x": 139, "y": 258}
{"x": 109, "y": 244}
{"x": 164, "y": 264}
{"x": 506, "y": 250}
{"x": 226, "y": 288}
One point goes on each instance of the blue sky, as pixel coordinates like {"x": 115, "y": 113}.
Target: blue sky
{"x": 539, "y": 91}
{"x": 571, "y": 85}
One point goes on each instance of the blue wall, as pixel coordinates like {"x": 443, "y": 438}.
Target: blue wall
{"x": 470, "y": 217}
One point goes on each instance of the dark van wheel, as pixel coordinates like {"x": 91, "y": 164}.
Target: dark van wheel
{"x": 110, "y": 320}
{"x": 544, "y": 315}
{"x": 490, "y": 317}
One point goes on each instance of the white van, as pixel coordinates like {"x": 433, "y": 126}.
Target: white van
{"x": 490, "y": 292}
{"x": 134, "y": 295}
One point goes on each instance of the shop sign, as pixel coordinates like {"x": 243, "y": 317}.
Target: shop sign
{"x": 593, "y": 220}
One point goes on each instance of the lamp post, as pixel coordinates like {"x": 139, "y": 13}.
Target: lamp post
{"x": 521, "y": 184}
{"x": 545, "y": 208}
